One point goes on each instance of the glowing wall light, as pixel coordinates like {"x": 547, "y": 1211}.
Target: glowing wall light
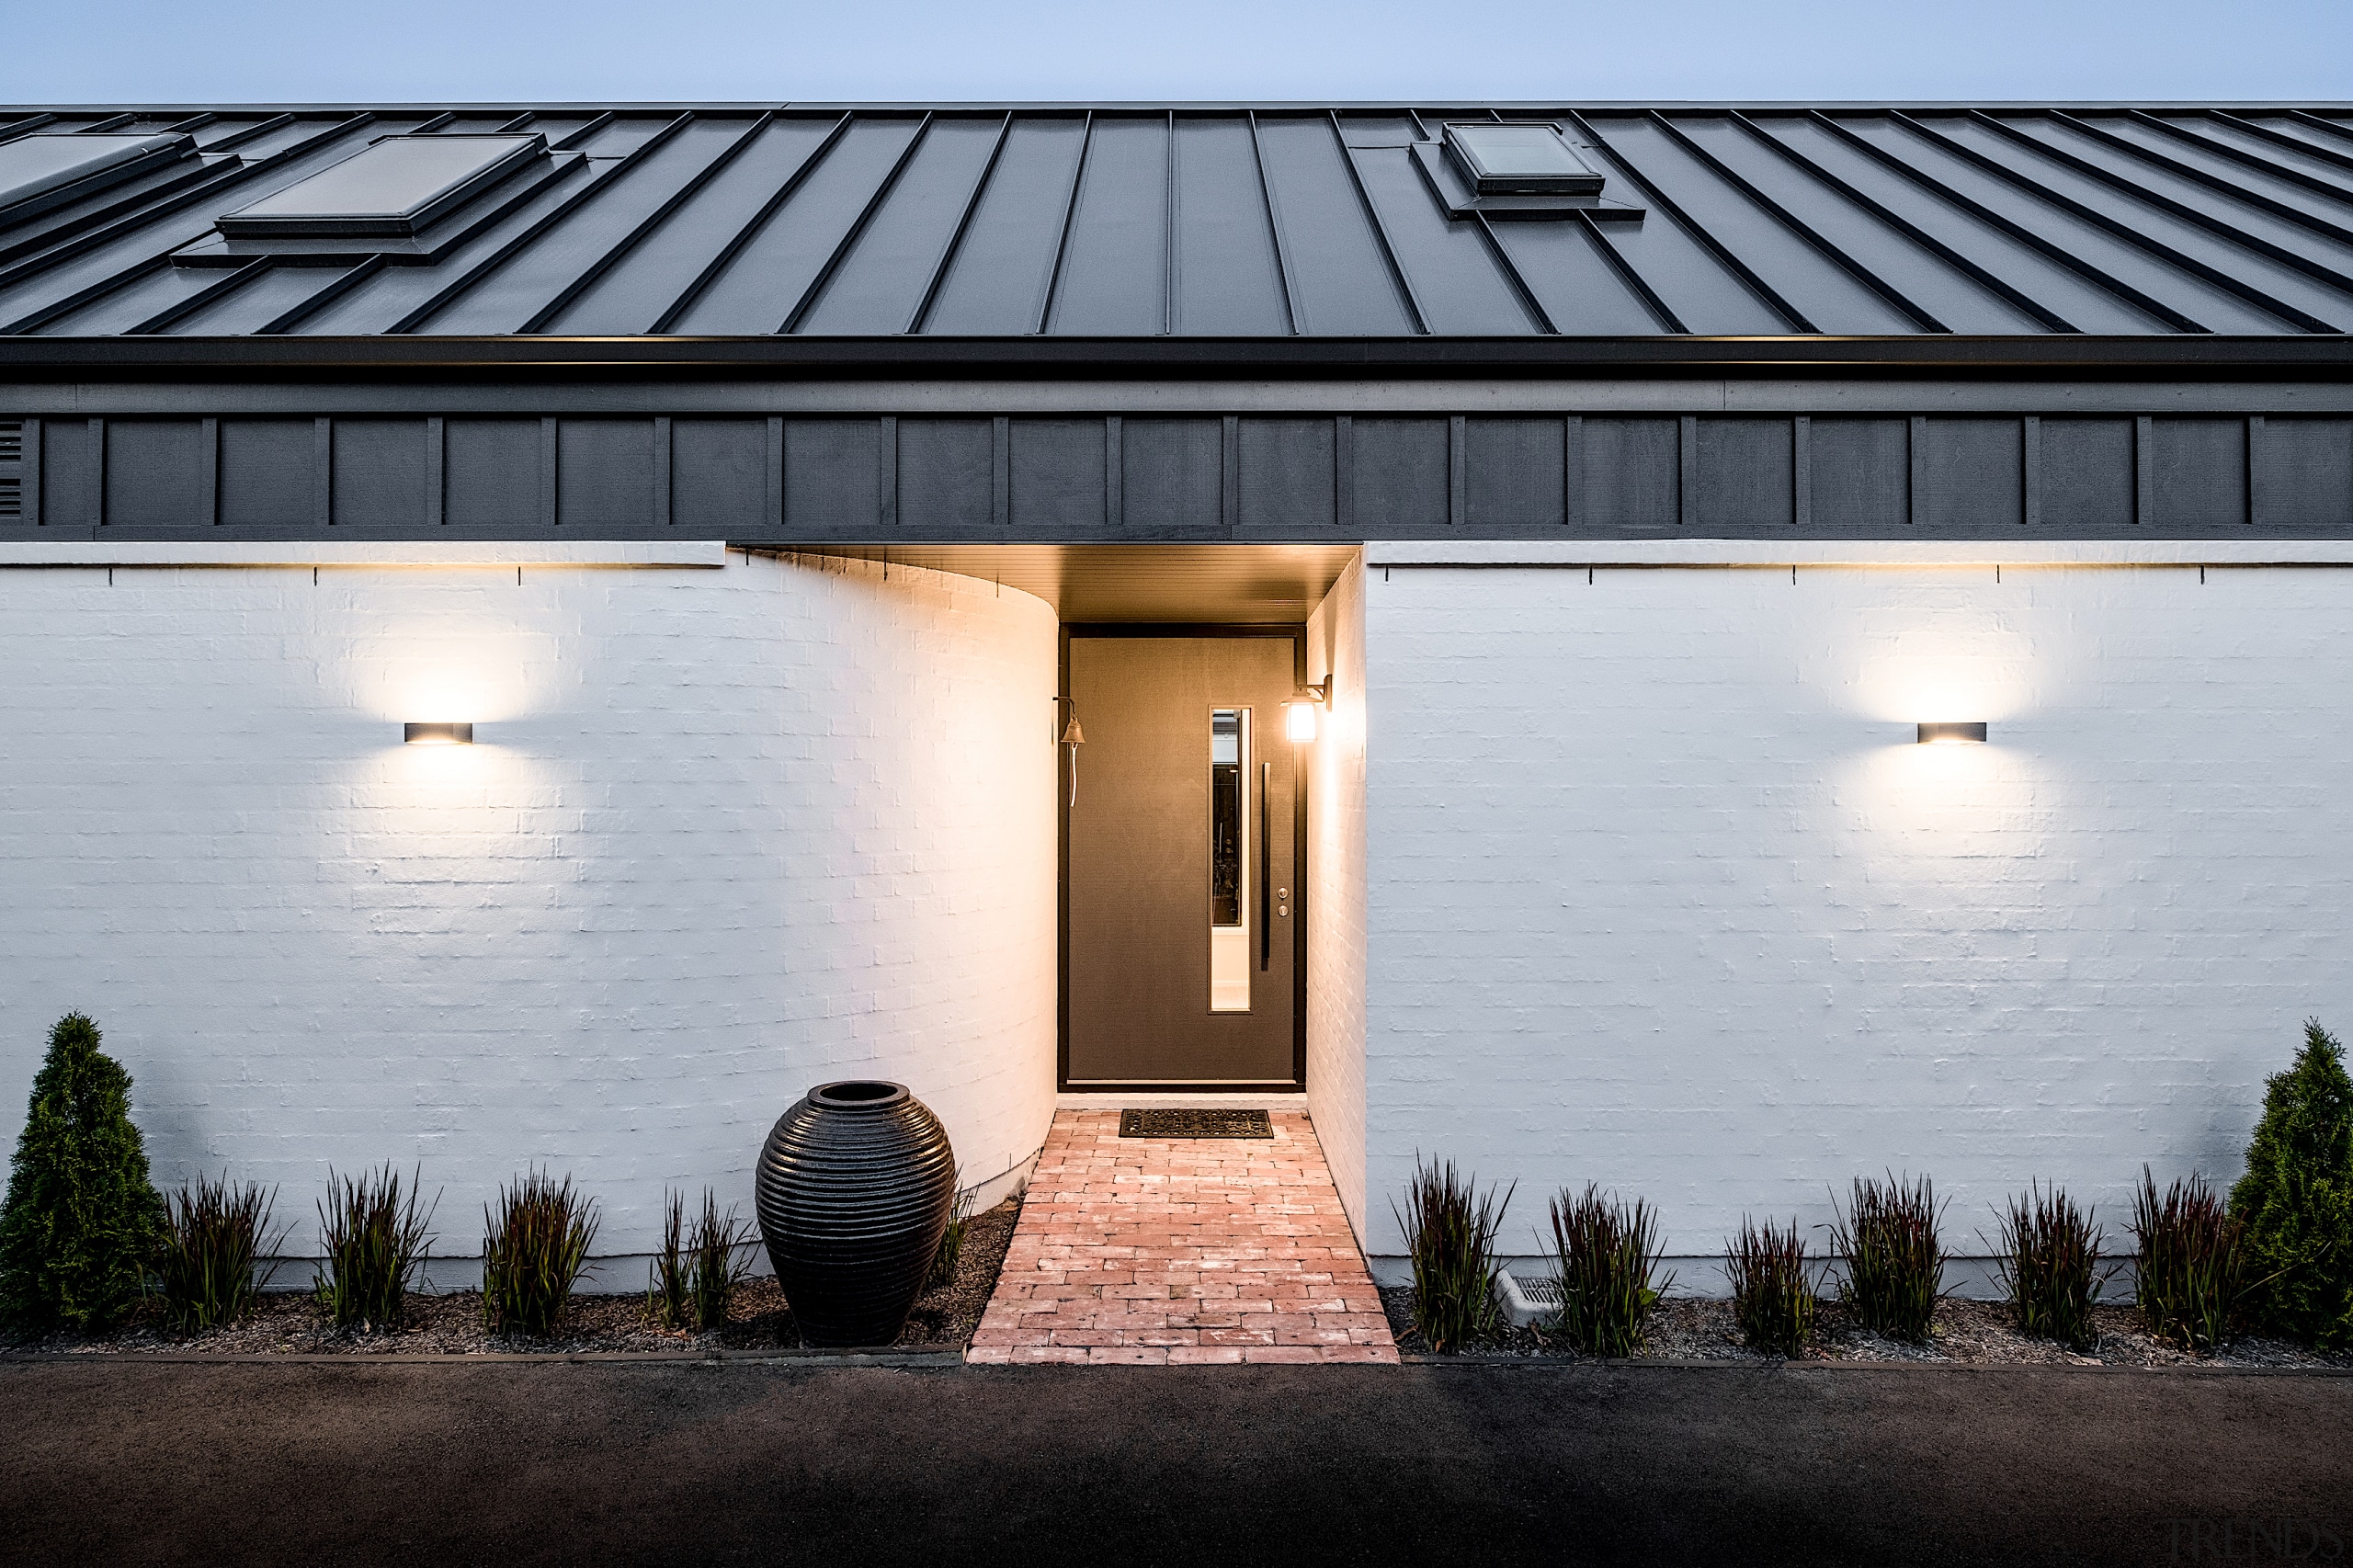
{"x": 439, "y": 735}
{"x": 1952, "y": 734}
{"x": 1299, "y": 718}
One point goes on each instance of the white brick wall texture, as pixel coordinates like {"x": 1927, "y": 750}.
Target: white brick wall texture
{"x": 1335, "y": 892}
{"x": 724, "y": 834}
{"x": 1661, "y": 894}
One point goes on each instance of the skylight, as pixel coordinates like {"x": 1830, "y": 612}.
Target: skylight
{"x": 40, "y": 172}
{"x": 395, "y": 188}
{"x": 1519, "y": 160}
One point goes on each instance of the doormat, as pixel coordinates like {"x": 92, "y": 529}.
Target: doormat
{"x": 1194, "y": 1124}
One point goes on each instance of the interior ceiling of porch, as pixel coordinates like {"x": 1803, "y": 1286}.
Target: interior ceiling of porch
{"x": 1095, "y": 583}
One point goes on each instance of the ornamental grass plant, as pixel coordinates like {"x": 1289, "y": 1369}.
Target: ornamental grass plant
{"x": 1604, "y": 1253}
{"x": 1449, "y": 1231}
{"x": 699, "y": 1265}
{"x": 1886, "y": 1239}
{"x": 2049, "y": 1258}
{"x": 1773, "y": 1294}
{"x": 78, "y": 1229}
{"x": 2295, "y": 1201}
{"x": 213, "y": 1239}
{"x": 534, "y": 1249}
{"x": 951, "y": 1240}
{"x": 374, "y": 1239}
{"x": 2191, "y": 1263}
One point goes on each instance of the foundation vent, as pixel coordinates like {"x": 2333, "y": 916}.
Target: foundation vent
{"x": 1527, "y": 1301}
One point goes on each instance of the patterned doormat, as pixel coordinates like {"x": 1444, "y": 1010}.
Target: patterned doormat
{"x": 1194, "y": 1124}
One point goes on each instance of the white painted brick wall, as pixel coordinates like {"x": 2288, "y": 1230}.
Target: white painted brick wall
{"x": 726, "y": 834}
{"x": 1661, "y": 894}
{"x": 1335, "y": 892}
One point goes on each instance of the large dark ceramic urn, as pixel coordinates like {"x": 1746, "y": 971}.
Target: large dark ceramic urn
{"x": 854, "y": 1191}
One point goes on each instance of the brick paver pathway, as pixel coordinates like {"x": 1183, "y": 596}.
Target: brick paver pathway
{"x": 1182, "y": 1251}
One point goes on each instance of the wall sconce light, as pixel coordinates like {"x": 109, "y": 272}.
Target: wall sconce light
{"x": 1299, "y": 718}
{"x": 438, "y": 734}
{"x": 1952, "y": 734}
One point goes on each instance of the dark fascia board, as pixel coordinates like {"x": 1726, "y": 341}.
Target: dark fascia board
{"x": 1311, "y": 106}
{"x": 2201, "y": 355}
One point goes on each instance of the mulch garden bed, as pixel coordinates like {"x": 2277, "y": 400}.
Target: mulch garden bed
{"x": 758, "y": 1319}
{"x": 1963, "y": 1333}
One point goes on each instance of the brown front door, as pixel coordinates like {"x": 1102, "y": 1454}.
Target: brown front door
{"x": 1181, "y": 825}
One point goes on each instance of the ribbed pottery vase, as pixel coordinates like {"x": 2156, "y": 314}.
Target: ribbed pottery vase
{"x": 854, "y": 1191}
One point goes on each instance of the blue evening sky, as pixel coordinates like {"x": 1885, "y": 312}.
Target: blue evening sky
{"x": 173, "y": 50}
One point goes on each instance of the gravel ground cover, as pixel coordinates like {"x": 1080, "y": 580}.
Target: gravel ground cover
{"x": 1967, "y": 1333}
{"x": 290, "y": 1323}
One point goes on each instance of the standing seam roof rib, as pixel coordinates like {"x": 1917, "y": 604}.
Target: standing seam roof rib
{"x": 902, "y": 215}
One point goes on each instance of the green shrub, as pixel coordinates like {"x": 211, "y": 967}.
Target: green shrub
{"x": 78, "y": 1226}
{"x": 951, "y": 1241}
{"x": 1451, "y": 1236}
{"x": 1894, "y": 1266}
{"x": 213, "y": 1238}
{"x": 534, "y": 1249}
{"x": 2191, "y": 1261}
{"x": 1773, "y": 1296}
{"x": 2296, "y": 1199}
{"x": 2050, "y": 1264}
{"x": 698, "y": 1270}
{"x": 1603, "y": 1254}
{"x": 373, "y": 1238}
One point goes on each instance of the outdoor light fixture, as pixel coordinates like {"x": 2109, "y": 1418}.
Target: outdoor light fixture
{"x": 1299, "y": 718}
{"x": 1952, "y": 734}
{"x": 438, "y": 734}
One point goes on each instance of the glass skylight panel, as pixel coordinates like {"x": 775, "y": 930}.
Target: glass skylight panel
{"x": 57, "y": 168}
{"x": 395, "y": 188}
{"x": 1520, "y": 160}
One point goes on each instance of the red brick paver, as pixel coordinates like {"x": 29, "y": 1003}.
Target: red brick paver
{"x": 1182, "y": 1252}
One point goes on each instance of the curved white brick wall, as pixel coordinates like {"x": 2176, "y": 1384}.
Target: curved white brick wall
{"x": 1661, "y": 893}
{"x": 725, "y": 834}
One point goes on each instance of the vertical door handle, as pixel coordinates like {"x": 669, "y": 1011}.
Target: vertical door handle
{"x": 1266, "y": 865}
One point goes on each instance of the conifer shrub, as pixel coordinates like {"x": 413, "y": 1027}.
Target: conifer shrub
{"x": 2295, "y": 1202}
{"x": 1604, "y": 1253}
{"x": 1895, "y": 1262}
{"x": 374, "y": 1239}
{"x": 1773, "y": 1294}
{"x": 534, "y": 1249}
{"x": 79, "y": 1223}
{"x": 214, "y": 1236}
{"x": 699, "y": 1265}
{"x": 2191, "y": 1263}
{"x": 1449, "y": 1231}
{"x": 2048, "y": 1260}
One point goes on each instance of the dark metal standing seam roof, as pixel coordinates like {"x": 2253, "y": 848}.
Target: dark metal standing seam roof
{"x": 913, "y": 231}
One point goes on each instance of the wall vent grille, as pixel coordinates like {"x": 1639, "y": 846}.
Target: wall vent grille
{"x": 12, "y": 497}
{"x": 12, "y": 440}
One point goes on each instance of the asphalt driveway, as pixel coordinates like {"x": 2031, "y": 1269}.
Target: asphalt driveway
{"x": 127, "y": 1459}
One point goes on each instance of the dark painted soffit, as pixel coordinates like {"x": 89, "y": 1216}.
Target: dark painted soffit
{"x": 2187, "y": 354}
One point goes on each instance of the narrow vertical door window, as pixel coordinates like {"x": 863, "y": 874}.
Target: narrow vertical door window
{"x": 1229, "y": 849}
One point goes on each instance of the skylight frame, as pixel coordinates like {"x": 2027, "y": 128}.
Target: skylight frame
{"x": 423, "y": 204}
{"x": 1490, "y": 174}
{"x": 115, "y": 160}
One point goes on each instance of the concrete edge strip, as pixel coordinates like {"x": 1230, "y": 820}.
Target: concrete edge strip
{"x": 1784, "y": 555}
{"x": 697, "y": 553}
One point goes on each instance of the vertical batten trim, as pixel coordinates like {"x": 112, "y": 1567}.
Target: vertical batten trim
{"x": 2030, "y": 472}
{"x": 1114, "y": 475}
{"x": 775, "y": 470}
{"x": 1001, "y": 472}
{"x": 2145, "y": 470}
{"x": 437, "y": 452}
{"x": 549, "y": 503}
{"x": 1344, "y": 473}
{"x": 2257, "y": 511}
{"x": 886, "y": 473}
{"x": 1572, "y": 501}
{"x": 1230, "y": 472}
{"x": 662, "y": 471}
{"x": 1801, "y": 471}
{"x": 98, "y": 461}
{"x": 322, "y": 472}
{"x": 1687, "y": 474}
{"x": 208, "y": 472}
{"x": 1457, "y": 485}
{"x": 1916, "y": 498}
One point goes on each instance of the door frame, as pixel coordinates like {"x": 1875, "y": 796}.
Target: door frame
{"x": 1297, "y": 1083}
